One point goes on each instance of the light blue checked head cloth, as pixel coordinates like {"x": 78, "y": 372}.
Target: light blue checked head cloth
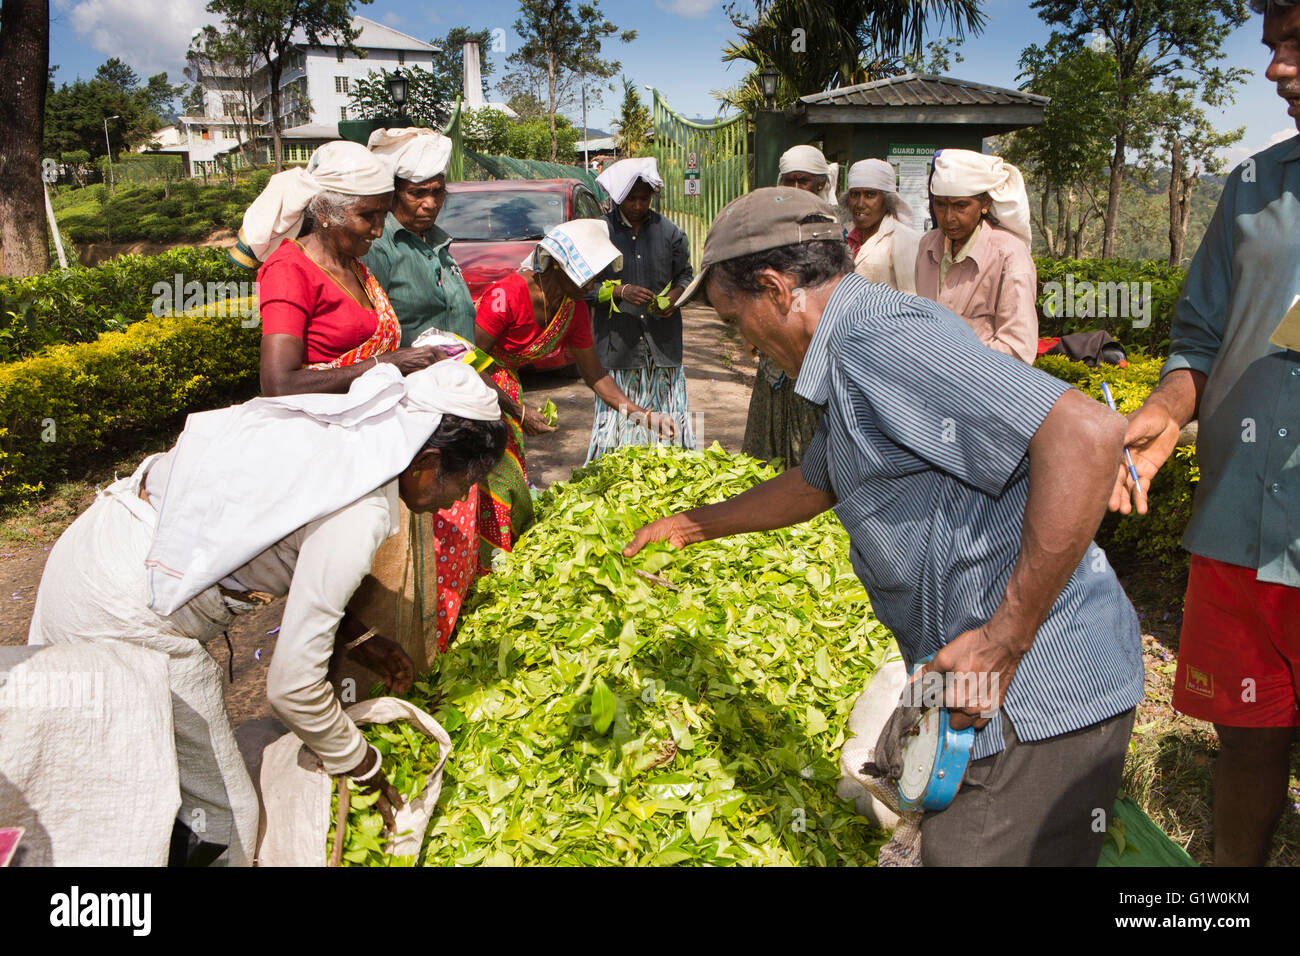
{"x": 580, "y": 246}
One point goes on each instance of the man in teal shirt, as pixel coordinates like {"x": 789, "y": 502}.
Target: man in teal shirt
{"x": 1239, "y": 652}
{"x": 412, "y": 259}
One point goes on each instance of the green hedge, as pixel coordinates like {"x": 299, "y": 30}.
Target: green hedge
{"x": 1076, "y": 304}
{"x": 74, "y": 405}
{"x": 77, "y": 305}
{"x": 1151, "y": 541}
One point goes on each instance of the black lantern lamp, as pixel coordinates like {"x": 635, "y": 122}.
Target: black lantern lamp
{"x": 397, "y": 90}
{"x": 768, "y": 78}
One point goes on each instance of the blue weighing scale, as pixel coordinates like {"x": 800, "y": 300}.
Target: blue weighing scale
{"x": 935, "y": 758}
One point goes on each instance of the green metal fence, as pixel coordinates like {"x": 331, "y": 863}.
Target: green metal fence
{"x": 704, "y": 166}
{"x": 456, "y": 166}
{"x": 481, "y": 166}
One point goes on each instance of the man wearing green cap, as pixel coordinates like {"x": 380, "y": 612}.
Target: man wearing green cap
{"x": 970, "y": 485}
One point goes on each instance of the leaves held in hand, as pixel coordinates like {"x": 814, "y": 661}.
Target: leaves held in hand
{"x": 606, "y": 294}
{"x": 408, "y": 758}
{"x": 550, "y": 413}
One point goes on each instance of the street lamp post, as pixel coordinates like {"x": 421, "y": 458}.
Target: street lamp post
{"x": 768, "y": 78}
{"x": 108, "y": 150}
{"x": 397, "y": 90}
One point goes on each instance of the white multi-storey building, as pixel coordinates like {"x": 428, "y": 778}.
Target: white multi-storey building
{"x": 315, "y": 84}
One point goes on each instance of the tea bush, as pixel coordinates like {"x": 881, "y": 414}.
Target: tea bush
{"x": 73, "y": 404}
{"x": 1151, "y": 540}
{"x": 78, "y": 304}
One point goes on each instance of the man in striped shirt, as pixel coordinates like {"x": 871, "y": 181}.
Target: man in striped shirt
{"x": 970, "y": 485}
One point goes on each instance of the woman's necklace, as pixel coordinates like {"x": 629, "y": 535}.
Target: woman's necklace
{"x": 535, "y": 283}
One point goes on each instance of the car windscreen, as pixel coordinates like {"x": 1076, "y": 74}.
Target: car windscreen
{"x": 500, "y": 216}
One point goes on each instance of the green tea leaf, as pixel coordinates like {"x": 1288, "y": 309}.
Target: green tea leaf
{"x": 603, "y": 705}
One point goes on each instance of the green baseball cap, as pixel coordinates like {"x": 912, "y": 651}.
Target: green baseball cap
{"x": 766, "y": 218}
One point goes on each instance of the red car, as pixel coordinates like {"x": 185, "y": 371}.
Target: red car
{"x": 495, "y": 224}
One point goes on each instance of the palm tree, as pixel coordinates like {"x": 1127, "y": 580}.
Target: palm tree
{"x": 818, "y": 45}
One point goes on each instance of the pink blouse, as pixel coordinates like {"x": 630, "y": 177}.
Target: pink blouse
{"x": 994, "y": 288}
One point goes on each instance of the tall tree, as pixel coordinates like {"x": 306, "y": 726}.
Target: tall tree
{"x": 633, "y": 122}
{"x": 1064, "y": 158}
{"x": 24, "y": 63}
{"x": 231, "y": 66}
{"x": 817, "y": 45}
{"x": 525, "y": 104}
{"x": 195, "y": 100}
{"x": 1150, "y": 40}
{"x": 117, "y": 74}
{"x": 1194, "y": 148}
{"x": 79, "y": 114}
{"x": 269, "y": 27}
{"x": 562, "y": 44}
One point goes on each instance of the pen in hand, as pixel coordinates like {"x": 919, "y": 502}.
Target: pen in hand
{"x": 1128, "y": 459}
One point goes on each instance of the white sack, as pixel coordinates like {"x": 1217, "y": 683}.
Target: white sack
{"x": 296, "y": 792}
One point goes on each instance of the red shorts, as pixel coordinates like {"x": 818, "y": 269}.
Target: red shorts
{"x": 1239, "y": 653}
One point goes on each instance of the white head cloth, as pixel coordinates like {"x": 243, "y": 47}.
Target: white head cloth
{"x": 580, "y": 246}
{"x": 417, "y": 153}
{"x": 809, "y": 159}
{"x": 880, "y": 175}
{"x": 619, "y": 178}
{"x": 341, "y": 166}
{"x": 963, "y": 172}
{"x": 244, "y": 477}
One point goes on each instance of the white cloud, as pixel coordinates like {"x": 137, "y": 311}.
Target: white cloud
{"x": 149, "y": 37}
{"x": 1236, "y": 154}
{"x": 686, "y": 8}
{"x": 393, "y": 19}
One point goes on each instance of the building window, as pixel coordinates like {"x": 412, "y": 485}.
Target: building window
{"x": 340, "y": 84}
{"x": 340, "y": 52}
{"x": 343, "y": 113}
{"x": 401, "y": 57}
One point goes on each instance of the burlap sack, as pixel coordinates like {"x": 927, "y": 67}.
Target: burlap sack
{"x": 398, "y": 598}
{"x": 296, "y": 792}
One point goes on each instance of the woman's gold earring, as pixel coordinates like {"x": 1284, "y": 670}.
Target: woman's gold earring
{"x": 416, "y": 473}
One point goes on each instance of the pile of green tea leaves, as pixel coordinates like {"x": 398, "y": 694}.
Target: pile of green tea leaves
{"x": 409, "y": 756}
{"x": 691, "y": 713}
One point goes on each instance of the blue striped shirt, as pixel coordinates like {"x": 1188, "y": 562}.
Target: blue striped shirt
{"x": 925, "y": 445}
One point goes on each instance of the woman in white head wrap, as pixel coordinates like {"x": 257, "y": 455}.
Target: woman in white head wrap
{"x": 805, "y": 167}
{"x": 882, "y": 240}
{"x": 412, "y": 259}
{"x": 977, "y": 261}
{"x": 525, "y": 316}
{"x": 636, "y": 340}
{"x": 780, "y": 424}
{"x": 325, "y": 318}
{"x": 276, "y": 496}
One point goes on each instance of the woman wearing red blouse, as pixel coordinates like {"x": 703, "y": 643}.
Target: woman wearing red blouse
{"x": 325, "y": 322}
{"x": 521, "y": 318}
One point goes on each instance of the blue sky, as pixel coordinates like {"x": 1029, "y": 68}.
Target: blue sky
{"x": 678, "y": 48}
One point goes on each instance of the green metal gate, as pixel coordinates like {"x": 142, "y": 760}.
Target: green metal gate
{"x": 703, "y": 165}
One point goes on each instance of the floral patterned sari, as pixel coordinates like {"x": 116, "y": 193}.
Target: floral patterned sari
{"x": 508, "y": 505}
